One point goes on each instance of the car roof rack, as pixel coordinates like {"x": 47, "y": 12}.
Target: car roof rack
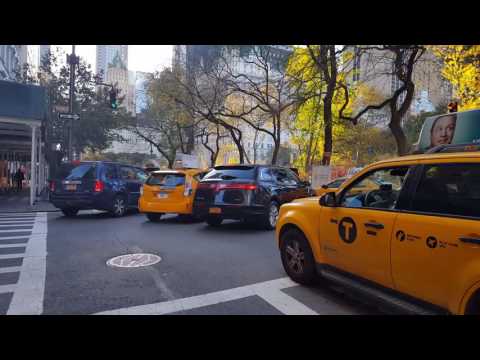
{"x": 452, "y": 148}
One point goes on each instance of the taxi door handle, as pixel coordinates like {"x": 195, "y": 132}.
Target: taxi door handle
{"x": 470, "y": 240}
{"x": 374, "y": 225}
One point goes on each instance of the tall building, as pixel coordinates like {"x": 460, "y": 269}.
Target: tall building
{"x": 141, "y": 79}
{"x": 43, "y": 52}
{"x": 9, "y": 61}
{"x": 106, "y": 54}
{"x": 117, "y": 74}
{"x": 131, "y": 93}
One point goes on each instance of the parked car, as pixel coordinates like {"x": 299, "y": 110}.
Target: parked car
{"x": 169, "y": 191}
{"x": 253, "y": 193}
{"x": 99, "y": 185}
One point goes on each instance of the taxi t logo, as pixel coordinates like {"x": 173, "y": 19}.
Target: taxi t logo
{"x": 347, "y": 230}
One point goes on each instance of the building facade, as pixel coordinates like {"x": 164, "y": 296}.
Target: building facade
{"x": 105, "y": 55}
{"x": 9, "y": 61}
{"x": 141, "y": 100}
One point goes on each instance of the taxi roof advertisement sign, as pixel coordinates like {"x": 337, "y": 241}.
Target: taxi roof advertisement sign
{"x": 451, "y": 128}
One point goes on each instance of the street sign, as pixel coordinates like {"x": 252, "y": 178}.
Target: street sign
{"x": 68, "y": 116}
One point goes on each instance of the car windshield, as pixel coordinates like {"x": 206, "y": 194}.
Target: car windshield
{"x": 231, "y": 172}
{"x": 82, "y": 171}
{"x": 165, "y": 179}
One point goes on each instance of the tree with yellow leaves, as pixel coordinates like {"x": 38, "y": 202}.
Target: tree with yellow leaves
{"x": 461, "y": 67}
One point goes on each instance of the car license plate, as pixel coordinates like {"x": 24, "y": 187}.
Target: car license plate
{"x": 71, "y": 187}
{"x": 215, "y": 210}
{"x": 162, "y": 195}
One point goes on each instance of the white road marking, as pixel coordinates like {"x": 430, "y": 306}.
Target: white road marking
{"x": 12, "y": 256}
{"x": 6, "y": 238}
{"x": 285, "y": 303}
{"x": 3, "y": 246}
{"x": 266, "y": 290}
{"x": 29, "y": 292}
{"x": 10, "y": 269}
{"x": 15, "y": 230}
{"x": 7, "y": 288}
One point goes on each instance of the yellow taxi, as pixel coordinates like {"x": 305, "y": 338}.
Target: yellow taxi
{"x": 169, "y": 191}
{"x": 411, "y": 241}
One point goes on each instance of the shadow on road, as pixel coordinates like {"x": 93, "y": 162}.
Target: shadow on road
{"x": 95, "y": 215}
{"x": 234, "y": 226}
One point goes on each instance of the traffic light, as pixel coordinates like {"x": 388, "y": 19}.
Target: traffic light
{"x": 113, "y": 99}
{"x": 452, "y": 107}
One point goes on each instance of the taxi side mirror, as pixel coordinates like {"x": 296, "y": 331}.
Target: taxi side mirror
{"x": 329, "y": 200}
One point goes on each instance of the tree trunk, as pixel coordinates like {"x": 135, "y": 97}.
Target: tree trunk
{"x": 238, "y": 143}
{"x": 399, "y": 135}
{"x": 276, "y": 149}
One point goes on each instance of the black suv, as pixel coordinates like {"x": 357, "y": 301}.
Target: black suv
{"x": 97, "y": 185}
{"x": 253, "y": 193}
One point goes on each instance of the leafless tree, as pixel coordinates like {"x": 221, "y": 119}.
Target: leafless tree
{"x": 403, "y": 59}
{"x": 261, "y": 91}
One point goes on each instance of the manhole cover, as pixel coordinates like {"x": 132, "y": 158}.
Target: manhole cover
{"x": 134, "y": 260}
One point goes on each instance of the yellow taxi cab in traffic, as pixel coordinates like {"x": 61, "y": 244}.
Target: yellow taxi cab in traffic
{"x": 412, "y": 240}
{"x": 169, "y": 191}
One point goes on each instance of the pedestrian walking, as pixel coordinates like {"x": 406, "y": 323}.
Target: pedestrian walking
{"x": 19, "y": 177}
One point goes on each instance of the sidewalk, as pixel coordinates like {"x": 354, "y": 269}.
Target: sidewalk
{"x": 20, "y": 202}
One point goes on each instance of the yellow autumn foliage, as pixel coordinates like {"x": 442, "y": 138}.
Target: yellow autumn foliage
{"x": 461, "y": 67}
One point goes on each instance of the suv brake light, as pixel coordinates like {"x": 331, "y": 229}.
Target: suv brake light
{"x": 231, "y": 186}
{"x": 99, "y": 186}
{"x": 52, "y": 186}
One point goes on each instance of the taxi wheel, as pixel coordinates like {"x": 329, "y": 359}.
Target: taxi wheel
{"x": 154, "y": 217}
{"x": 214, "y": 220}
{"x": 297, "y": 257}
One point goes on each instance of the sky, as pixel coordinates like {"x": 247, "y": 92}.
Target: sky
{"x": 147, "y": 58}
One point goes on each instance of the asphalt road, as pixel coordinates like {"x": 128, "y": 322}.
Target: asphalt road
{"x": 233, "y": 269}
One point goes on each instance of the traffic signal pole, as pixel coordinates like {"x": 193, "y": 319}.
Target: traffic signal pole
{"x": 72, "y": 61}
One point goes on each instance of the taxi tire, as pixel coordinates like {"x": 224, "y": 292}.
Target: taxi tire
{"x": 69, "y": 212}
{"x": 154, "y": 217}
{"x": 214, "y": 221}
{"x": 309, "y": 275}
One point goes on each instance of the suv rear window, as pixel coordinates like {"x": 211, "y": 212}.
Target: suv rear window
{"x": 82, "y": 171}
{"x": 231, "y": 173}
{"x": 166, "y": 179}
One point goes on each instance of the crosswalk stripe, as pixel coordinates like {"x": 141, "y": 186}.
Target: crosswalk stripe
{"x": 7, "y": 238}
{"x": 10, "y": 269}
{"x": 11, "y": 256}
{"x": 13, "y": 231}
{"x": 7, "y": 288}
{"x": 5, "y": 246}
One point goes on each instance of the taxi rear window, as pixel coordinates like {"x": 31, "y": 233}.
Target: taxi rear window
{"x": 166, "y": 179}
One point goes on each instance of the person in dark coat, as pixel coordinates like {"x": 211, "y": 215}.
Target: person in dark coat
{"x": 19, "y": 177}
